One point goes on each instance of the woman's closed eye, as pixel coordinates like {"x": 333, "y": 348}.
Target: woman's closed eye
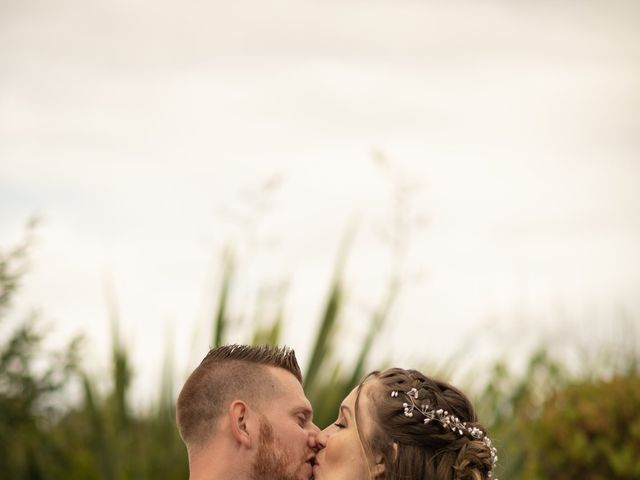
{"x": 340, "y": 424}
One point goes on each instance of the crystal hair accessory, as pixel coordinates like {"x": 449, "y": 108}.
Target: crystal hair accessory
{"x": 446, "y": 420}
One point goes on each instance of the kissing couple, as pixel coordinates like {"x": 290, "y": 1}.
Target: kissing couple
{"x": 243, "y": 415}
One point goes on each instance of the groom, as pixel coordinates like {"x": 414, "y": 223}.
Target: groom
{"x": 243, "y": 415}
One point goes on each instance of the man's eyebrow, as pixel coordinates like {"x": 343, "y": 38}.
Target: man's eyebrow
{"x": 306, "y": 409}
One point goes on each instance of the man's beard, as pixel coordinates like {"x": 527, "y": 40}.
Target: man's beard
{"x": 271, "y": 461}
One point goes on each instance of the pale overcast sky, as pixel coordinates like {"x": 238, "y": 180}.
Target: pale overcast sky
{"x": 142, "y": 130}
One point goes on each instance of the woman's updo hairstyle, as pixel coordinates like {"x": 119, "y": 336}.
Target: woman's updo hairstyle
{"x": 425, "y": 429}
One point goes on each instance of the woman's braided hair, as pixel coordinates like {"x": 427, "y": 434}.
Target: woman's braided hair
{"x": 425, "y": 429}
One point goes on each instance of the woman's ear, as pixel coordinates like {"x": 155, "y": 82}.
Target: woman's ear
{"x": 379, "y": 468}
{"x": 238, "y": 413}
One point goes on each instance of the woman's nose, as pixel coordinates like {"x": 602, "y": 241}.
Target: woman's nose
{"x": 322, "y": 437}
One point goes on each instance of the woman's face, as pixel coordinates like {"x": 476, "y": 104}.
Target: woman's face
{"x": 341, "y": 455}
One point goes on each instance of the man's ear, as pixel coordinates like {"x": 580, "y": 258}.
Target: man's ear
{"x": 238, "y": 413}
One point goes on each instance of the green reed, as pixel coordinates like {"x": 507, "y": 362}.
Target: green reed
{"x": 43, "y": 435}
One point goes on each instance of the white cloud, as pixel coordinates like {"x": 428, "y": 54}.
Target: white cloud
{"x": 134, "y": 127}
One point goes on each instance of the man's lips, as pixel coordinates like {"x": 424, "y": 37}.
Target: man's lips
{"x": 311, "y": 462}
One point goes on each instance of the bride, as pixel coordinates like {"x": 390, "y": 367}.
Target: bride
{"x": 400, "y": 424}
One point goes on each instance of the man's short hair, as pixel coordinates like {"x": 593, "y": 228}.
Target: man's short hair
{"x": 225, "y": 374}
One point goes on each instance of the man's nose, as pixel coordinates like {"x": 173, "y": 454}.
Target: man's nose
{"x": 313, "y": 436}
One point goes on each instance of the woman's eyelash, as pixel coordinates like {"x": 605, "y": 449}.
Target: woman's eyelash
{"x": 340, "y": 425}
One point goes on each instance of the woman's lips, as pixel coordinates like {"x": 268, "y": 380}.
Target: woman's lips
{"x": 316, "y": 465}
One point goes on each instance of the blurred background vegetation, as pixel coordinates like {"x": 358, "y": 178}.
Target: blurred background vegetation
{"x": 548, "y": 420}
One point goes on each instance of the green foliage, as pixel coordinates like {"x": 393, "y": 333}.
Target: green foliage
{"x": 326, "y": 379}
{"x": 588, "y": 430}
{"x": 31, "y": 380}
{"x": 509, "y": 401}
{"x": 221, "y": 321}
{"x": 43, "y": 437}
{"x": 548, "y": 422}
{"x": 111, "y": 442}
{"x": 327, "y": 391}
{"x": 545, "y": 421}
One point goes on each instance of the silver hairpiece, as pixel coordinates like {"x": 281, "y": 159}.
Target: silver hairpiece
{"x": 446, "y": 420}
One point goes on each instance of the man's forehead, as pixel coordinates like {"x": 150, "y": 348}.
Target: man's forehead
{"x": 291, "y": 390}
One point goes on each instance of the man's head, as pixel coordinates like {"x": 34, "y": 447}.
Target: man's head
{"x": 251, "y": 398}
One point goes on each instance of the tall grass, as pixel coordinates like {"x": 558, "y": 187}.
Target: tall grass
{"x": 102, "y": 437}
